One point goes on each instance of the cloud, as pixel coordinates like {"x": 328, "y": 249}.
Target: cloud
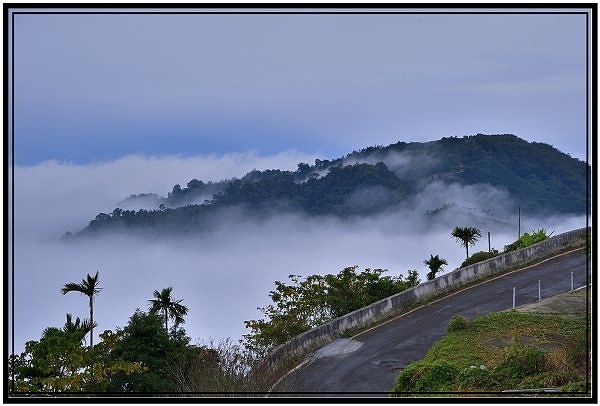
{"x": 222, "y": 275}
{"x": 326, "y": 81}
{"x": 76, "y": 193}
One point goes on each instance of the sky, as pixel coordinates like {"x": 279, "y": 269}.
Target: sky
{"x": 106, "y": 106}
{"x": 91, "y": 87}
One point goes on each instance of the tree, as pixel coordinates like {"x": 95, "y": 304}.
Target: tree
{"x": 144, "y": 340}
{"x": 466, "y": 235}
{"x": 88, "y": 287}
{"x": 58, "y": 362}
{"x": 170, "y": 308}
{"x": 307, "y": 303}
{"x": 78, "y": 329}
{"x": 435, "y": 265}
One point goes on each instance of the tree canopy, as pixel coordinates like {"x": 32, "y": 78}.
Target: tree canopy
{"x": 306, "y": 303}
{"x": 169, "y": 307}
{"x": 466, "y": 235}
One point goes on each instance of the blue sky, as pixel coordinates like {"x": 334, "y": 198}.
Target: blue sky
{"x": 94, "y": 88}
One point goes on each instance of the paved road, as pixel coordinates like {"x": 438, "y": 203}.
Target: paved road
{"x": 369, "y": 362}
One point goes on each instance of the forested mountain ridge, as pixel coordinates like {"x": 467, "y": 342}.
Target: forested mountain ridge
{"x": 536, "y": 176}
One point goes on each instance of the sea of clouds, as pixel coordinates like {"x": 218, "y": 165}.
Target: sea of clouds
{"x": 224, "y": 275}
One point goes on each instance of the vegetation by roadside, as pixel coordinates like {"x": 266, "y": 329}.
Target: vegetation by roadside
{"x": 512, "y": 350}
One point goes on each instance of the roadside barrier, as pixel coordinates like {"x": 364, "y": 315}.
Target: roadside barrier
{"x": 400, "y": 302}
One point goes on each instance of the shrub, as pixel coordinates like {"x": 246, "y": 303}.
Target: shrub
{"x": 577, "y": 353}
{"x": 478, "y": 257}
{"x": 422, "y": 376}
{"x": 578, "y": 386}
{"x": 526, "y": 240}
{"x": 550, "y": 379}
{"x": 406, "y": 380}
{"x": 477, "y": 378}
{"x": 520, "y": 361}
{"x": 457, "y": 323}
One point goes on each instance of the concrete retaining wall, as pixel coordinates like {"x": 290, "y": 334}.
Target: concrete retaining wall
{"x": 396, "y": 304}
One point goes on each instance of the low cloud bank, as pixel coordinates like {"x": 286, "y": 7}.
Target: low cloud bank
{"x": 224, "y": 275}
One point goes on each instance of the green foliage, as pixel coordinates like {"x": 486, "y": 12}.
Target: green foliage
{"x": 549, "y": 379}
{"x": 466, "y": 235}
{"x": 295, "y": 309}
{"x": 349, "y": 290}
{"x": 476, "y": 378}
{"x": 526, "y": 240}
{"x": 145, "y": 340}
{"x": 489, "y": 356}
{"x": 435, "y": 265}
{"x": 521, "y": 360}
{"x": 142, "y": 357}
{"x": 307, "y": 303}
{"x": 576, "y": 386}
{"x": 169, "y": 307}
{"x": 423, "y": 376}
{"x": 58, "y": 362}
{"x": 457, "y": 323}
{"x": 88, "y": 287}
{"x": 479, "y": 256}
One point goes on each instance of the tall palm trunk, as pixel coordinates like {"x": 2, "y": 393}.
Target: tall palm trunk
{"x": 92, "y": 322}
{"x": 166, "y": 318}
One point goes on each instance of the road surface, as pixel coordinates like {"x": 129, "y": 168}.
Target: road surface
{"x": 369, "y": 362}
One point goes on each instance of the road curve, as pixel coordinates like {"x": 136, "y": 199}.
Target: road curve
{"x": 369, "y": 362}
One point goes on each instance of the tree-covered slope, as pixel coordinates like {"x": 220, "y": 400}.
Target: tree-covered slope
{"x": 536, "y": 176}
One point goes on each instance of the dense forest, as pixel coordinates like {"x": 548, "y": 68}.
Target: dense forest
{"x": 537, "y": 177}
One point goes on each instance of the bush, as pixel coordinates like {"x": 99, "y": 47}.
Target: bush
{"x": 578, "y": 386}
{"x": 477, "y": 378}
{"x": 478, "y": 257}
{"x": 526, "y": 240}
{"x": 407, "y": 379}
{"x": 422, "y": 376}
{"x": 457, "y": 323}
{"x": 520, "y": 361}
{"x": 550, "y": 379}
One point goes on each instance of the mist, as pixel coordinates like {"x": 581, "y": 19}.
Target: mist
{"x": 225, "y": 274}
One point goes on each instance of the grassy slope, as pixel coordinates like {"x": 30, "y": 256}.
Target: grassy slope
{"x": 505, "y": 351}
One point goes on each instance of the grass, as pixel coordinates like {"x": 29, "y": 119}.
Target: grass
{"x": 503, "y": 351}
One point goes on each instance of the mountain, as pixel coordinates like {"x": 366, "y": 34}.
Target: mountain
{"x": 531, "y": 175}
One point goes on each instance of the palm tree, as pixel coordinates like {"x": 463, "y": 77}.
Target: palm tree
{"x": 163, "y": 302}
{"x": 79, "y": 328}
{"x": 435, "y": 265}
{"x": 467, "y": 235}
{"x": 88, "y": 287}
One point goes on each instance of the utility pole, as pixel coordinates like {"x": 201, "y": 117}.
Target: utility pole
{"x": 489, "y": 243}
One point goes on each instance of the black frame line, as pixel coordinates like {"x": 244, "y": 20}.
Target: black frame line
{"x": 588, "y": 9}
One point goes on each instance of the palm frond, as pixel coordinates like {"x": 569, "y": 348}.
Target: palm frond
{"x": 165, "y": 304}
{"x": 73, "y": 287}
{"x": 88, "y": 286}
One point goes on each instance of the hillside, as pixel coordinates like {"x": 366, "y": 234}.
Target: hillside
{"x": 534, "y": 176}
{"x": 536, "y": 346}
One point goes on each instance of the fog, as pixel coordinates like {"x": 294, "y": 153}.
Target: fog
{"x": 224, "y": 275}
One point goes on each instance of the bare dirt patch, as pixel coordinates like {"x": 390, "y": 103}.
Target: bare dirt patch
{"x": 570, "y": 305}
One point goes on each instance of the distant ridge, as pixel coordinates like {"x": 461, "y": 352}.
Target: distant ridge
{"x": 535, "y": 176}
